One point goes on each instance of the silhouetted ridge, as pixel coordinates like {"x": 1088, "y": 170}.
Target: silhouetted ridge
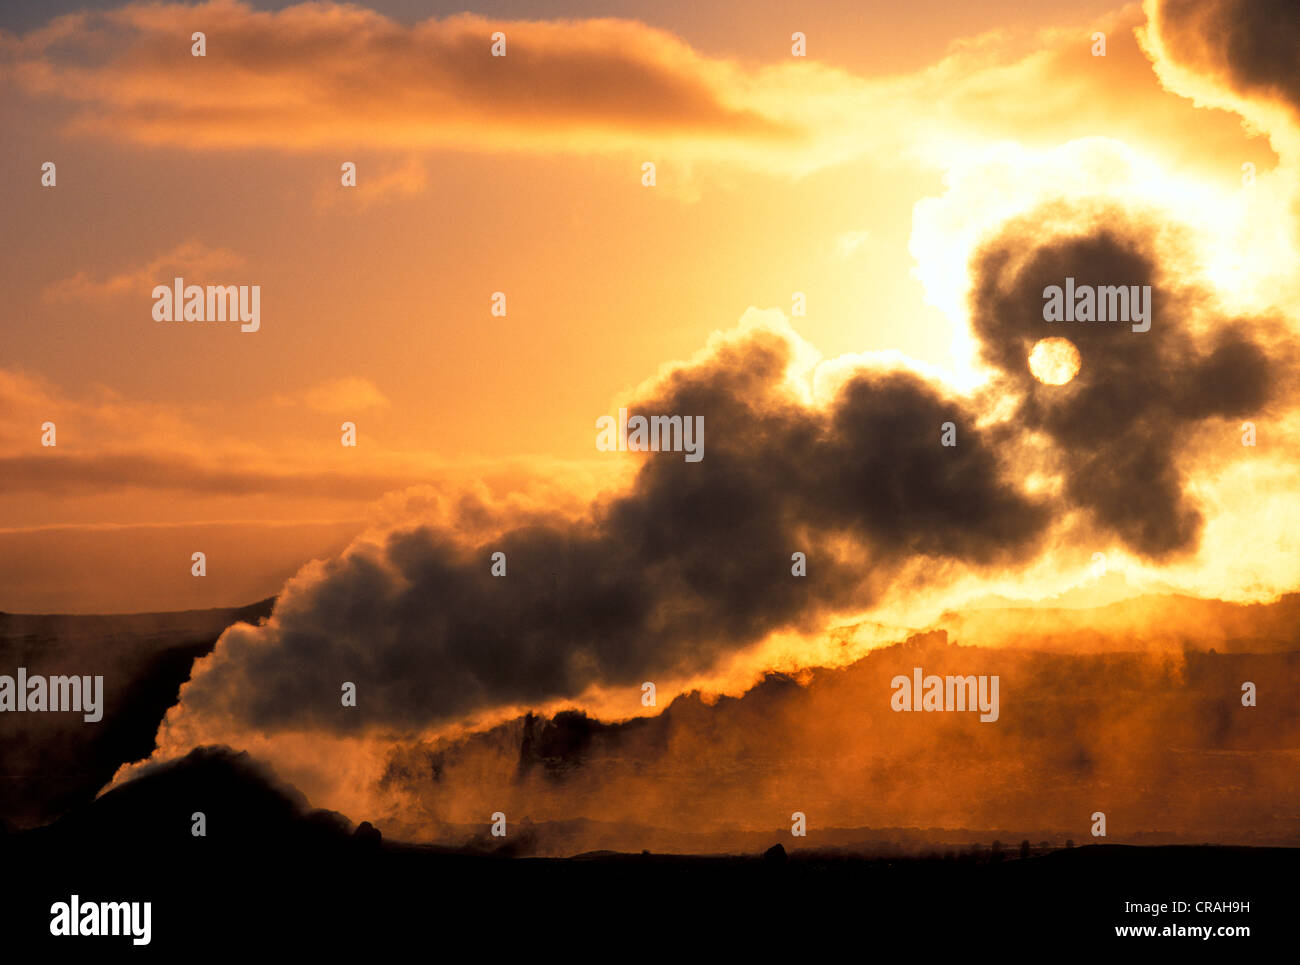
{"x": 242, "y": 801}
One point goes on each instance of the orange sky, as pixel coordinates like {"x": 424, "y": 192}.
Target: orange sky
{"x": 847, "y": 176}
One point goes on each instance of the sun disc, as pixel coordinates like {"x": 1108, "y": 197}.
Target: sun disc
{"x": 1054, "y": 361}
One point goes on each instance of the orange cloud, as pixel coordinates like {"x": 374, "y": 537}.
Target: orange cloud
{"x": 349, "y": 394}
{"x": 324, "y": 74}
{"x": 385, "y": 183}
{"x": 191, "y": 256}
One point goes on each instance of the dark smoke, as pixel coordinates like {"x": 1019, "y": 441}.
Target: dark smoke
{"x": 693, "y": 561}
{"x": 1251, "y": 45}
{"x": 1119, "y": 427}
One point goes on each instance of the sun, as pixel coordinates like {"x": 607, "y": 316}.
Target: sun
{"x": 1054, "y": 361}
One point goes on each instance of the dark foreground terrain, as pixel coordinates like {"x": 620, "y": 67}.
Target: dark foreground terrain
{"x": 51, "y": 762}
{"x": 273, "y": 874}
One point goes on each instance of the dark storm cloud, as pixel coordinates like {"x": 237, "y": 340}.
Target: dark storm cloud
{"x": 1252, "y": 45}
{"x": 1119, "y": 427}
{"x": 694, "y": 561}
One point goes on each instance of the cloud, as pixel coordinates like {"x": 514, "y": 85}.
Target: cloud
{"x": 161, "y": 452}
{"x": 191, "y": 257}
{"x": 341, "y": 396}
{"x": 70, "y": 473}
{"x": 330, "y": 77}
{"x": 691, "y": 563}
{"x": 1251, "y": 47}
{"x": 1117, "y": 428}
{"x": 376, "y": 185}
{"x": 329, "y": 74}
{"x": 91, "y": 419}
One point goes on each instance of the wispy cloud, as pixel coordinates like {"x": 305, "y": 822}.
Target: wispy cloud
{"x": 349, "y": 394}
{"x": 192, "y": 257}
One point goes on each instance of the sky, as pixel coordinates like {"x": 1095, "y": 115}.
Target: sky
{"x": 775, "y": 175}
{"x": 825, "y": 230}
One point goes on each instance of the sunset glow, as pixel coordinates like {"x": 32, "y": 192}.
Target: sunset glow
{"x": 652, "y": 421}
